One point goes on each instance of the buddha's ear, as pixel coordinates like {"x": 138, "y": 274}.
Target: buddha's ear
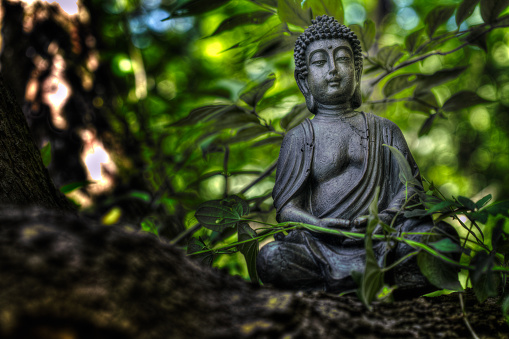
{"x": 302, "y": 82}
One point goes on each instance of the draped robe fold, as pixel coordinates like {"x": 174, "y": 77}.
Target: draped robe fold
{"x": 306, "y": 260}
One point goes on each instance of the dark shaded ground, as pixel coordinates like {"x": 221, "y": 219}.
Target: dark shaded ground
{"x": 64, "y": 277}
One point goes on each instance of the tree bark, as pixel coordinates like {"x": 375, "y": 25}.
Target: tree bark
{"x": 62, "y": 276}
{"x": 23, "y": 178}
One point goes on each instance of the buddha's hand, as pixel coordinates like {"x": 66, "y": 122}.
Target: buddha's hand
{"x": 335, "y": 223}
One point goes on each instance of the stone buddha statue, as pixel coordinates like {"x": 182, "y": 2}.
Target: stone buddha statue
{"x": 329, "y": 169}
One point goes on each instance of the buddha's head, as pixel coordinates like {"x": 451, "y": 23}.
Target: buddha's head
{"x": 328, "y": 64}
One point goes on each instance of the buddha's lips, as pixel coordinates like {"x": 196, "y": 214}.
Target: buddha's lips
{"x": 334, "y": 83}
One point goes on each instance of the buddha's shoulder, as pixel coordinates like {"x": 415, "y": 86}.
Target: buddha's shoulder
{"x": 301, "y": 131}
{"x": 383, "y": 121}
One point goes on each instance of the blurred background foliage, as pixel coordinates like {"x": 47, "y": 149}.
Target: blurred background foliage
{"x": 151, "y": 107}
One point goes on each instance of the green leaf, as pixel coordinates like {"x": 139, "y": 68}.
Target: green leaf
{"x": 75, "y": 185}
{"x": 478, "y": 38}
{"x": 426, "y": 82}
{"x": 275, "y": 45}
{"x": 248, "y": 133}
{"x": 423, "y": 102}
{"x": 298, "y": 114}
{"x": 235, "y": 119}
{"x": 217, "y": 215}
{"x": 203, "y": 114}
{"x": 253, "y": 95}
{"x": 465, "y": 10}
{"x": 46, "y": 154}
{"x": 426, "y": 126}
{"x": 275, "y": 101}
{"x": 436, "y": 17}
{"x": 501, "y": 207}
{"x": 196, "y": 245}
{"x": 505, "y": 308}
{"x": 145, "y": 196}
{"x": 442, "y": 206}
{"x": 365, "y": 34}
{"x": 290, "y": 11}
{"x": 332, "y": 8}
{"x": 438, "y": 273}
{"x": 483, "y": 201}
{"x": 239, "y": 204}
{"x": 414, "y": 40}
{"x": 463, "y": 99}
{"x": 195, "y": 7}
{"x": 446, "y": 245}
{"x": 251, "y": 18}
{"x": 491, "y": 9}
{"x": 148, "y": 225}
{"x": 404, "y": 166}
{"x": 249, "y": 250}
{"x": 415, "y": 213}
{"x": 387, "y": 56}
{"x": 466, "y": 202}
{"x": 372, "y": 280}
{"x": 398, "y": 83}
{"x": 484, "y": 282}
{"x": 275, "y": 141}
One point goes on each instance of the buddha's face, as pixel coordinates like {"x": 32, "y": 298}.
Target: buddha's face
{"x": 331, "y": 71}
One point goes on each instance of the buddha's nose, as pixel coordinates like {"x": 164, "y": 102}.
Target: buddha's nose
{"x": 333, "y": 70}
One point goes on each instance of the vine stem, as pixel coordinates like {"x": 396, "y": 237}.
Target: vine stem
{"x": 465, "y": 319}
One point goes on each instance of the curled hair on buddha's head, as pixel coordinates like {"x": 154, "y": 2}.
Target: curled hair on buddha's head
{"x": 326, "y": 27}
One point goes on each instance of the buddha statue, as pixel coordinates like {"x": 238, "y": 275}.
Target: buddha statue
{"x": 328, "y": 171}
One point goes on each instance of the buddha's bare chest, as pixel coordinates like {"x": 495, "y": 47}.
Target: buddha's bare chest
{"x": 339, "y": 148}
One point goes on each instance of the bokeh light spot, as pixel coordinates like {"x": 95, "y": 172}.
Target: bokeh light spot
{"x": 155, "y": 21}
{"x": 213, "y": 49}
{"x": 355, "y": 13}
{"x": 114, "y": 6}
{"x": 500, "y": 53}
{"x": 407, "y": 18}
{"x": 480, "y": 119}
{"x": 125, "y": 65}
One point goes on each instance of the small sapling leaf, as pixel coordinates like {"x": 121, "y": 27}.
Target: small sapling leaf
{"x": 446, "y": 245}
{"x": 438, "y": 272}
{"x": 372, "y": 280}
{"x": 436, "y": 17}
{"x": 467, "y": 203}
{"x": 46, "y": 154}
{"x": 483, "y": 201}
{"x": 249, "y": 249}
{"x": 217, "y": 215}
{"x": 406, "y": 174}
{"x": 197, "y": 245}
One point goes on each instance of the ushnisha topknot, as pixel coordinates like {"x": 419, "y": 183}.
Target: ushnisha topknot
{"x": 325, "y": 27}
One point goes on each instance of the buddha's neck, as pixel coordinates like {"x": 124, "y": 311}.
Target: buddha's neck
{"x": 339, "y": 109}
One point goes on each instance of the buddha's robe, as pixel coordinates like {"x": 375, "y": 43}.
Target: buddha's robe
{"x": 312, "y": 261}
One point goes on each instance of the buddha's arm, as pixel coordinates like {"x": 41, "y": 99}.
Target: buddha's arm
{"x": 293, "y": 211}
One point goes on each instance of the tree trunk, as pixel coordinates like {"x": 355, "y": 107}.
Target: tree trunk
{"x": 64, "y": 276}
{"x": 61, "y": 276}
{"x": 23, "y": 178}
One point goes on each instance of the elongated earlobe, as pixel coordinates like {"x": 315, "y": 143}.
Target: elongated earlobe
{"x": 303, "y": 86}
{"x": 356, "y": 100}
